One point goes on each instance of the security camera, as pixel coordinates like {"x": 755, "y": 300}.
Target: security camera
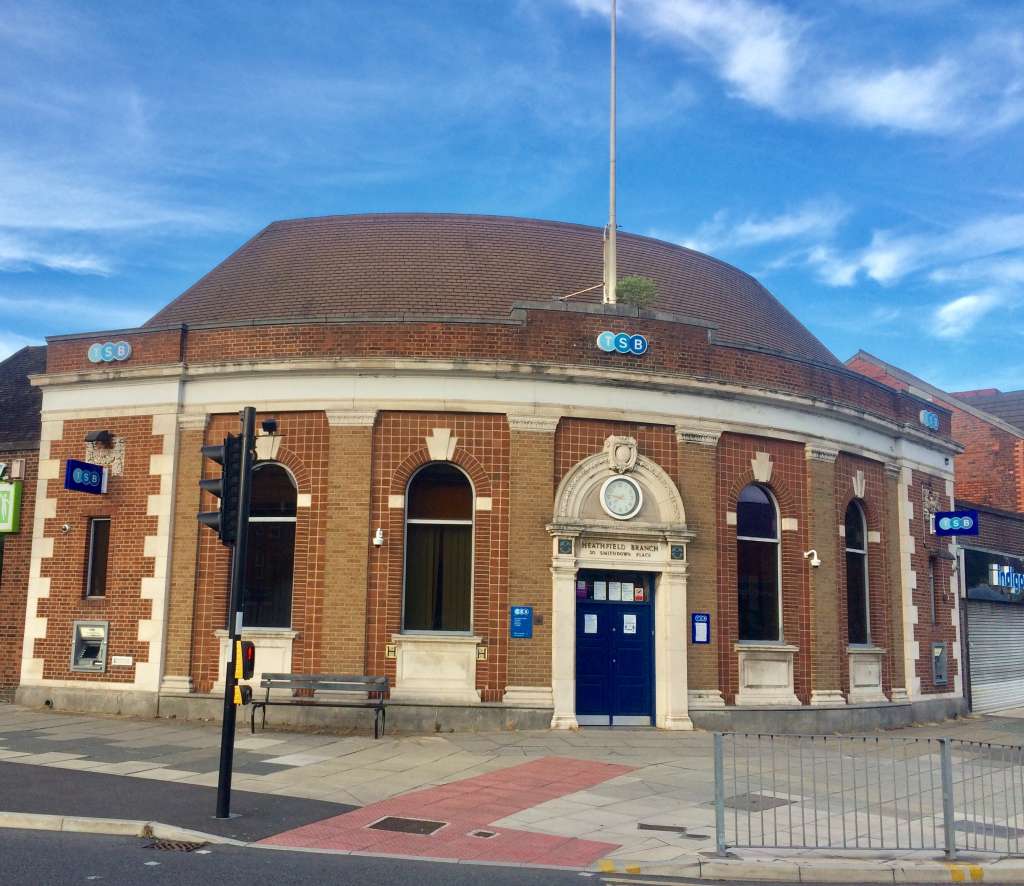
{"x": 378, "y": 537}
{"x": 269, "y": 425}
{"x": 813, "y": 554}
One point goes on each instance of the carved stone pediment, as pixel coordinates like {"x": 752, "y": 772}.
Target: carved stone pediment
{"x": 621, "y": 452}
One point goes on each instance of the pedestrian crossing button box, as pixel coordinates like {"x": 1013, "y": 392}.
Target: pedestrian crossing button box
{"x": 89, "y": 647}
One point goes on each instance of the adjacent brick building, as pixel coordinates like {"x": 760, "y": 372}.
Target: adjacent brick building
{"x": 989, "y": 425}
{"x": 724, "y": 526}
{"x": 19, "y": 449}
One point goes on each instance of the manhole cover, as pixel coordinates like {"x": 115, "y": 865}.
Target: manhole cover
{"x": 407, "y": 825}
{"x": 756, "y": 802}
{"x": 486, "y": 835}
{"x": 175, "y": 845}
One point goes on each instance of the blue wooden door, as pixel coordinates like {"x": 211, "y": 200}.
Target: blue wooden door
{"x": 614, "y": 663}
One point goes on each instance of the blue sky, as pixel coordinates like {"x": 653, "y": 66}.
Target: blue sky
{"x": 863, "y": 158}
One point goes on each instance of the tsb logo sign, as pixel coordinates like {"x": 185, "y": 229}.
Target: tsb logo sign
{"x": 622, "y": 343}
{"x": 108, "y": 352}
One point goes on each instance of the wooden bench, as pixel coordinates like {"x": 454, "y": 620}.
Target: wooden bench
{"x": 373, "y": 687}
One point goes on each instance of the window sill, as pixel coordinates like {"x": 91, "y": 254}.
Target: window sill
{"x": 766, "y": 645}
{"x": 864, "y": 649}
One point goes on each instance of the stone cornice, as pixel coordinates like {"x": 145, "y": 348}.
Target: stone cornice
{"x": 813, "y": 452}
{"x": 698, "y": 436}
{"x": 344, "y": 418}
{"x": 534, "y": 424}
{"x": 192, "y": 421}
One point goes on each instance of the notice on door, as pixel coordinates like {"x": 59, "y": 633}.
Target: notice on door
{"x": 589, "y": 623}
{"x": 628, "y": 623}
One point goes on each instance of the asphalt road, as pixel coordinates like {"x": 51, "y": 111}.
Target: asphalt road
{"x": 46, "y": 858}
{"x": 68, "y": 792}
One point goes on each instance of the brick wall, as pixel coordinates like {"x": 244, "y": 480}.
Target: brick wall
{"x": 788, "y": 484}
{"x": 875, "y": 505}
{"x": 14, "y": 568}
{"x": 827, "y": 591}
{"x": 482, "y": 451}
{"x": 558, "y": 337}
{"x": 997, "y": 530}
{"x": 347, "y": 547}
{"x": 991, "y": 468}
{"x": 696, "y": 481}
{"x": 184, "y": 553}
{"x": 531, "y": 503}
{"x": 927, "y": 545}
{"x": 126, "y": 503}
{"x": 988, "y": 471}
{"x": 577, "y": 438}
{"x": 304, "y": 451}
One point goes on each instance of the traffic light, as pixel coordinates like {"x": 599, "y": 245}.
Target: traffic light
{"x": 226, "y": 487}
{"x": 248, "y": 659}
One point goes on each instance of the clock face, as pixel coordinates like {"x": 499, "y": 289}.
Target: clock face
{"x": 621, "y": 498}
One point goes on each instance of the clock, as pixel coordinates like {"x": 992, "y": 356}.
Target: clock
{"x": 621, "y": 498}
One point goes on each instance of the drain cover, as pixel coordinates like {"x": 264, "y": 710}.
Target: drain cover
{"x": 675, "y": 829}
{"x": 407, "y": 825}
{"x": 756, "y": 802}
{"x": 486, "y": 835}
{"x": 175, "y": 845}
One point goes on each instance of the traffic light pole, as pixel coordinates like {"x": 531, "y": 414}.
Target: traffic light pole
{"x": 238, "y": 554}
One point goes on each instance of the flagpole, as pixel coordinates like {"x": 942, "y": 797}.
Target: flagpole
{"x": 610, "y": 275}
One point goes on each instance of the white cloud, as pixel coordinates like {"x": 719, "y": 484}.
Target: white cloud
{"x": 963, "y": 252}
{"x": 812, "y": 221}
{"x": 956, "y": 318}
{"x": 922, "y": 99}
{"x": 832, "y": 268}
{"x": 792, "y": 65}
{"x": 17, "y": 254}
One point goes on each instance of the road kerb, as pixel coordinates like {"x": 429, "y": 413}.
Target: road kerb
{"x": 118, "y": 827}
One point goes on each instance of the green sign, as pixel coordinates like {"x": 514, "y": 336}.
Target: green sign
{"x": 10, "y": 506}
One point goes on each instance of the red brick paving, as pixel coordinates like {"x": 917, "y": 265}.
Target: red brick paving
{"x": 466, "y": 806}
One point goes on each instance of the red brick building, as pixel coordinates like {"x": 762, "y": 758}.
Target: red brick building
{"x": 989, "y": 424}
{"x": 709, "y": 517}
{"x": 19, "y": 449}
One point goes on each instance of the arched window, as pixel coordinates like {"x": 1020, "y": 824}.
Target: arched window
{"x": 857, "y": 623}
{"x": 270, "y": 557}
{"x": 757, "y": 564}
{"x": 438, "y": 550}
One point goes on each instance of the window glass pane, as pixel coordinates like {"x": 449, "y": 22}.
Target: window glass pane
{"x": 757, "y": 570}
{"x": 99, "y": 547}
{"x": 270, "y": 560}
{"x": 440, "y": 492}
{"x": 438, "y": 567}
{"x": 854, "y": 527}
{"x": 755, "y": 514}
{"x": 856, "y": 598}
{"x": 273, "y": 493}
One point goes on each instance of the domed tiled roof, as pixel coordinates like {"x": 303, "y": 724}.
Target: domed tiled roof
{"x": 390, "y": 265}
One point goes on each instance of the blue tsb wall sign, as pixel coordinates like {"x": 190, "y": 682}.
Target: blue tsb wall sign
{"x": 622, "y": 343}
{"x": 956, "y": 522}
{"x": 81, "y": 476}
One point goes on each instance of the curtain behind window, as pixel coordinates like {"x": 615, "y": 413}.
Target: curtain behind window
{"x": 438, "y": 577}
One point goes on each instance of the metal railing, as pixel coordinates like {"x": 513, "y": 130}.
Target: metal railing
{"x": 869, "y": 792}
